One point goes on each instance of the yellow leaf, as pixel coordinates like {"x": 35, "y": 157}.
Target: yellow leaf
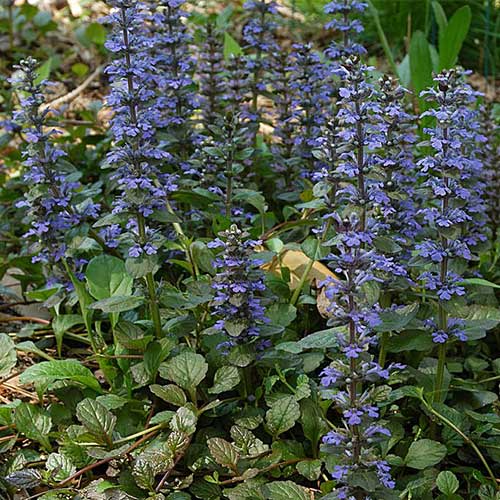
{"x": 297, "y": 261}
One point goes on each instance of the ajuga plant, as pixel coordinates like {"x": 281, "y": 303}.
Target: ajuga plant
{"x": 54, "y": 205}
{"x": 135, "y": 154}
{"x": 345, "y": 23}
{"x": 349, "y": 380}
{"x": 451, "y": 174}
{"x": 395, "y": 198}
{"x": 228, "y": 152}
{"x": 285, "y": 123}
{"x": 397, "y": 194}
{"x": 238, "y": 288}
{"x": 236, "y": 95}
{"x": 174, "y": 67}
{"x": 311, "y": 102}
{"x": 211, "y": 75}
{"x": 259, "y": 43}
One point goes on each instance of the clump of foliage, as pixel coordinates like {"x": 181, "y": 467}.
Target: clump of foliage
{"x": 270, "y": 274}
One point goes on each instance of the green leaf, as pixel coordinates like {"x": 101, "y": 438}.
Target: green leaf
{"x": 44, "y": 70}
{"x": 23, "y": 479}
{"x": 404, "y": 71}
{"x": 386, "y": 244}
{"x": 303, "y": 389}
{"x": 8, "y": 356}
{"x": 281, "y": 314}
{"x": 155, "y": 353}
{"x": 480, "y": 313}
{"x": 205, "y": 490}
{"x": 184, "y": 421}
{"x": 285, "y": 490}
{"x": 452, "y": 38}
{"x": 42, "y": 18}
{"x": 310, "y": 469}
{"x": 312, "y": 421}
{"x": 292, "y": 347}
{"x": 231, "y": 47}
{"x": 246, "y": 442}
{"x": 447, "y": 482}
{"x": 323, "y": 339}
{"x": 107, "y": 277}
{"x": 60, "y": 466}
{"x": 186, "y": 370}
{"x": 424, "y": 453}
{"x": 149, "y": 464}
{"x": 202, "y": 256}
{"x": 61, "y": 324}
{"x": 162, "y": 417}
{"x": 420, "y": 63}
{"x": 440, "y": 16}
{"x": 29, "y": 346}
{"x": 177, "y": 441}
{"x": 169, "y": 393}
{"x": 248, "y": 490}
{"x": 138, "y": 267}
{"x": 118, "y": 303}
{"x": 479, "y": 281}
{"x": 96, "y": 419}
{"x": 80, "y": 69}
{"x": 282, "y": 415}
{"x": 42, "y": 294}
{"x": 34, "y": 422}
{"x": 131, "y": 336}
{"x": 226, "y": 377}
{"x": 84, "y": 298}
{"x": 48, "y": 372}
{"x": 412, "y": 340}
{"x": 223, "y": 452}
{"x": 397, "y": 320}
{"x": 365, "y": 479}
{"x": 96, "y": 33}
{"x": 251, "y": 197}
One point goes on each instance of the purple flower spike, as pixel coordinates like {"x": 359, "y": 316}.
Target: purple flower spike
{"x": 238, "y": 287}
{"x": 454, "y": 220}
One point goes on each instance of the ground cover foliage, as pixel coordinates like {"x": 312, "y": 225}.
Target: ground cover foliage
{"x": 264, "y": 261}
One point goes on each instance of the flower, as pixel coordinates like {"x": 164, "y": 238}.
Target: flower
{"x": 351, "y": 149}
{"x": 310, "y": 103}
{"x": 238, "y": 287}
{"x": 344, "y": 23}
{"x": 454, "y": 218}
{"x": 211, "y": 70}
{"x": 285, "y": 120}
{"x": 173, "y": 67}
{"x": 53, "y": 189}
{"x": 135, "y": 154}
{"x": 259, "y": 43}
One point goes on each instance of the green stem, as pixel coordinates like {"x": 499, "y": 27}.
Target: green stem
{"x": 78, "y": 338}
{"x": 229, "y": 193}
{"x": 383, "y": 349}
{"x": 139, "y": 434}
{"x": 438, "y": 388}
{"x": 150, "y": 282}
{"x": 490, "y": 379}
{"x": 442, "y": 314}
